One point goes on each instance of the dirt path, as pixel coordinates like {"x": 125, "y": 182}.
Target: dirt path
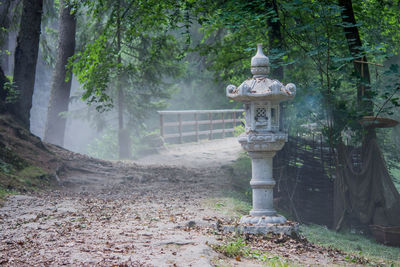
{"x": 124, "y": 214}
{"x": 214, "y": 153}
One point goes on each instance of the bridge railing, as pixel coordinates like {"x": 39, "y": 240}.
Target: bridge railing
{"x": 195, "y": 124}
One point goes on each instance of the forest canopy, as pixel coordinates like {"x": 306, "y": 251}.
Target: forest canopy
{"x": 132, "y": 58}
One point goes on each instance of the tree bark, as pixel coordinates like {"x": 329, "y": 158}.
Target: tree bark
{"x": 61, "y": 89}
{"x": 4, "y": 20}
{"x": 3, "y": 93}
{"x": 26, "y": 54}
{"x": 275, "y": 39}
{"x": 354, "y": 43}
{"x": 7, "y": 35}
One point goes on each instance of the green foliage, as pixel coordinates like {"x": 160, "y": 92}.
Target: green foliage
{"x": 94, "y": 71}
{"x": 6, "y": 167}
{"x": 129, "y": 62}
{"x": 239, "y": 129}
{"x": 357, "y": 247}
{"x": 11, "y": 92}
{"x": 148, "y": 53}
{"x": 315, "y": 55}
{"x": 105, "y": 146}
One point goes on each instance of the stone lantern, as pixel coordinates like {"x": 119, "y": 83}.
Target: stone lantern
{"x": 263, "y": 135}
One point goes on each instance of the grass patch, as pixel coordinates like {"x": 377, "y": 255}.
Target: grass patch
{"x": 395, "y": 172}
{"x": 233, "y": 249}
{"x": 33, "y": 177}
{"x": 353, "y": 244}
{"x": 4, "y": 192}
{"x": 238, "y": 249}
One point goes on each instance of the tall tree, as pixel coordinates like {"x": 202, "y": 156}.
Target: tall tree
{"x": 275, "y": 42}
{"x": 26, "y": 54}
{"x": 124, "y": 144}
{"x": 61, "y": 85}
{"x": 4, "y": 22}
{"x": 355, "y": 47}
{"x": 275, "y": 38}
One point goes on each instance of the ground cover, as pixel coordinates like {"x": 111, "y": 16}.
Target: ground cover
{"x": 104, "y": 213}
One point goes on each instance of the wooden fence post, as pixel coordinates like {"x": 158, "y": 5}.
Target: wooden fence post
{"x": 223, "y": 126}
{"x": 197, "y": 127}
{"x": 180, "y": 128}
{"x": 161, "y": 125}
{"x": 210, "y": 126}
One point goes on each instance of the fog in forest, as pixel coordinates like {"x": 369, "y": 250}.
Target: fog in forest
{"x": 82, "y": 127}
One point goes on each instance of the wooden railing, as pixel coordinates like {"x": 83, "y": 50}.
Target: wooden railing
{"x": 197, "y": 123}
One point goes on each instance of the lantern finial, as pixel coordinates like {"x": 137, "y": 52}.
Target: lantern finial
{"x": 260, "y": 63}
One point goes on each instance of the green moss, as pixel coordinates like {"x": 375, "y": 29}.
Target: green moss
{"x": 34, "y": 178}
{"x": 30, "y": 178}
{"x": 357, "y": 246}
{"x": 4, "y": 193}
{"x": 7, "y": 156}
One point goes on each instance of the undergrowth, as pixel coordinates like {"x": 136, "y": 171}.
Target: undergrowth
{"x": 353, "y": 244}
{"x": 237, "y": 248}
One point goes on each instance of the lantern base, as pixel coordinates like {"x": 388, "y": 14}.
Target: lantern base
{"x": 262, "y": 220}
{"x": 287, "y": 228}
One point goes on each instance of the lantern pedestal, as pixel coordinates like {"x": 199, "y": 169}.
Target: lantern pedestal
{"x": 262, "y": 184}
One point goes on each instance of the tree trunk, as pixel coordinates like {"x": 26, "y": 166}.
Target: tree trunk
{"x": 26, "y": 54}
{"x": 60, "y": 89}
{"x": 4, "y": 22}
{"x": 275, "y": 39}
{"x": 354, "y": 43}
{"x": 124, "y": 143}
{"x": 3, "y": 93}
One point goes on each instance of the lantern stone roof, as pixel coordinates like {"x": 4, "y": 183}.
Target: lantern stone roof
{"x": 260, "y": 87}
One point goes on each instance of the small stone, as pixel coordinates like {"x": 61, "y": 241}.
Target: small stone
{"x": 191, "y": 224}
